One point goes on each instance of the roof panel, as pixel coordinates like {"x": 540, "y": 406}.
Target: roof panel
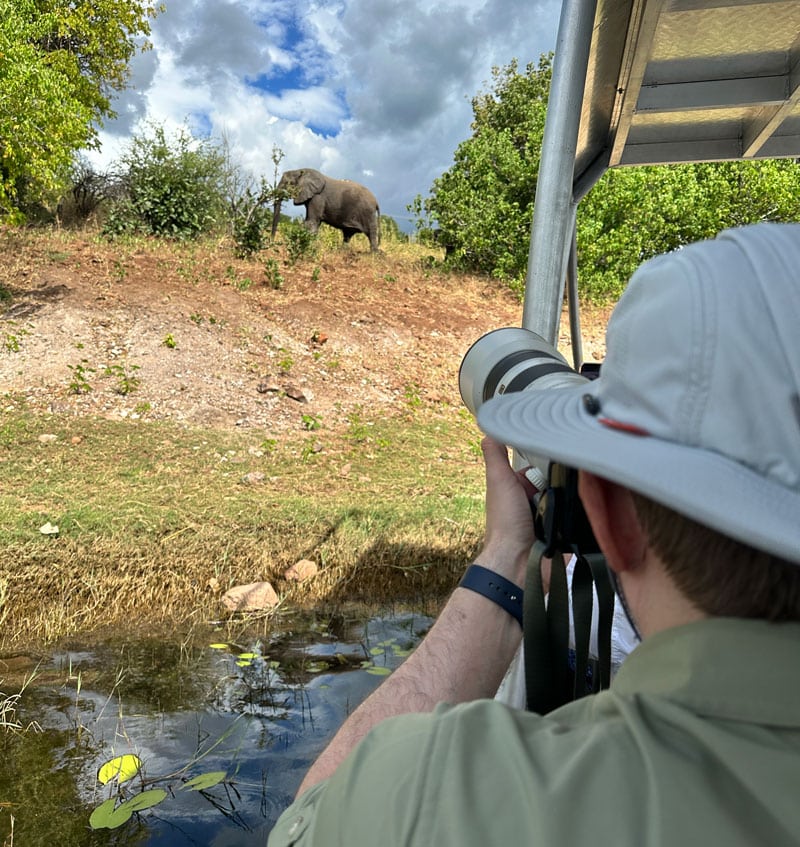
{"x": 690, "y": 80}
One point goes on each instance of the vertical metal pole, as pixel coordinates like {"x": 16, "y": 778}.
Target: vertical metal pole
{"x": 553, "y": 215}
{"x": 572, "y": 298}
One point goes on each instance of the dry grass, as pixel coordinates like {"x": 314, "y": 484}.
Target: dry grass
{"x": 142, "y": 538}
{"x": 9, "y": 721}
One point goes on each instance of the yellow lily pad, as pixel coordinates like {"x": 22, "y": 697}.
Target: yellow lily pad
{"x": 122, "y": 768}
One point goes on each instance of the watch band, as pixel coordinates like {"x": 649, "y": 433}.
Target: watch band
{"x": 491, "y": 585}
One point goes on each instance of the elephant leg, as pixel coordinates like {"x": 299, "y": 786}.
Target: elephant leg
{"x": 312, "y": 225}
{"x": 348, "y": 233}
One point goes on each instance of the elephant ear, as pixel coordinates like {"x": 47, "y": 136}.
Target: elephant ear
{"x": 310, "y": 183}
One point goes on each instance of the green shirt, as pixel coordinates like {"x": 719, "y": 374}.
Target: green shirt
{"x": 696, "y": 743}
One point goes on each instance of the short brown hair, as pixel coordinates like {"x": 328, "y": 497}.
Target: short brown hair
{"x": 721, "y": 576}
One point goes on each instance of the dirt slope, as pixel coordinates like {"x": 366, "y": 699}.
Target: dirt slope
{"x": 197, "y": 336}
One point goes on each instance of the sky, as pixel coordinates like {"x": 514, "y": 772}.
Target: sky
{"x": 377, "y": 91}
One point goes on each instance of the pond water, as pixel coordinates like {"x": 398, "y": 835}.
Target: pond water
{"x": 247, "y": 717}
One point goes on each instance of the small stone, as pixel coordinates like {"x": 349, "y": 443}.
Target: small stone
{"x": 296, "y": 394}
{"x": 253, "y": 478}
{"x": 253, "y": 597}
{"x": 301, "y": 571}
{"x": 47, "y": 438}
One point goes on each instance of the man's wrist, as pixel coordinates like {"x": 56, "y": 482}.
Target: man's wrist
{"x": 490, "y": 584}
{"x": 508, "y": 565}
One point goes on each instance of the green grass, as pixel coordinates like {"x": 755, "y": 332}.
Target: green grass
{"x": 149, "y": 513}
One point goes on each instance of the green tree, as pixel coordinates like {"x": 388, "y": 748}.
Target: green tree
{"x": 60, "y": 63}
{"x": 483, "y": 204}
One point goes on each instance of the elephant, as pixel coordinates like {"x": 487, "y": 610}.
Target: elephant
{"x": 339, "y": 203}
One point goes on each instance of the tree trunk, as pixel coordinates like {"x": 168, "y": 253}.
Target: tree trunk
{"x": 276, "y": 215}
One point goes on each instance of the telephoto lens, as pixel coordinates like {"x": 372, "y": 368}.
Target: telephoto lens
{"x": 508, "y": 360}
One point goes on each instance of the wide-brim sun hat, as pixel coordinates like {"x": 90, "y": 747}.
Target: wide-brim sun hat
{"x": 697, "y": 405}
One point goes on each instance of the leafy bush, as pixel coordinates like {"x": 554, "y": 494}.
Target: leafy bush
{"x": 250, "y": 227}
{"x": 174, "y": 186}
{"x": 300, "y": 242}
{"x": 122, "y": 219}
{"x": 633, "y": 214}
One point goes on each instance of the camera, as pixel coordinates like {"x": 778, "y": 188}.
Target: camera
{"x": 512, "y": 359}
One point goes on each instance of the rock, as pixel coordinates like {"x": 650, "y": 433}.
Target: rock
{"x": 253, "y": 597}
{"x": 268, "y": 386}
{"x": 253, "y": 478}
{"x": 296, "y": 394}
{"x": 301, "y": 571}
{"x": 47, "y": 438}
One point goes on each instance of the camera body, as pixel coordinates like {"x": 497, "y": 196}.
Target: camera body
{"x": 513, "y": 359}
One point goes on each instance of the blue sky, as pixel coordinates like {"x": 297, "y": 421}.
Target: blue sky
{"x": 377, "y": 91}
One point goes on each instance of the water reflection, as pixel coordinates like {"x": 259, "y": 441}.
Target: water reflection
{"x": 259, "y": 711}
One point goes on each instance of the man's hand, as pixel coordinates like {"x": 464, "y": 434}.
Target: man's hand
{"x": 509, "y": 521}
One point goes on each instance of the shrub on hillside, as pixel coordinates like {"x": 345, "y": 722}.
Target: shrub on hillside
{"x": 173, "y": 187}
{"x": 301, "y": 243}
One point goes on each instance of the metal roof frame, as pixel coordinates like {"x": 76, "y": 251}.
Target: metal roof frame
{"x": 644, "y": 82}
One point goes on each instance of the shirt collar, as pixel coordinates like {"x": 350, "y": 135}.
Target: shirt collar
{"x": 730, "y": 668}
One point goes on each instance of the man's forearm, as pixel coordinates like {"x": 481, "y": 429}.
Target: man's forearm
{"x": 463, "y": 657}
{"x": 469, "y": 648}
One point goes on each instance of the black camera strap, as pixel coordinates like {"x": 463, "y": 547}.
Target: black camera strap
{"x": 550, "y": 679}
{"x": 544, "y": 635}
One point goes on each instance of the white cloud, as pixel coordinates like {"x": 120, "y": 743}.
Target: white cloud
{"x": 317, "y": 106}
{"x": 372, "y": 90}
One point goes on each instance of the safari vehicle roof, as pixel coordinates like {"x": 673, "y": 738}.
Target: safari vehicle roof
{"x": 641, "y": 82}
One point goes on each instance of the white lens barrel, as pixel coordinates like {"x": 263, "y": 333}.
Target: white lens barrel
{"x": 508, "y": 360}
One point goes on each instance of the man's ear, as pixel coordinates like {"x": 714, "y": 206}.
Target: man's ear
{"x": 613, "y": 517}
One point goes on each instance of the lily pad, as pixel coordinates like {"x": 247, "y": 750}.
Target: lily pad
{"x": 377, "y": 670}
{"x": 205, "y": 780}
{"x": 146, "y": 799}
{"x": 122, "y": 768}
{"x": 106, "y": 816}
